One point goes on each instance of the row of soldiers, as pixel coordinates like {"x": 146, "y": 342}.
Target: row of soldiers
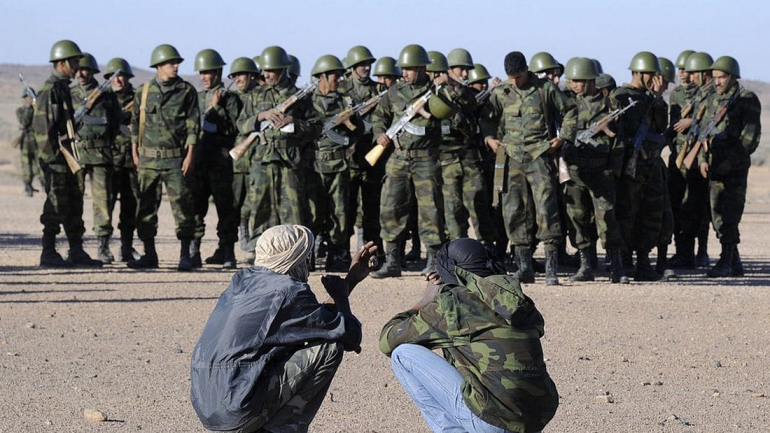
{"x": 432, "y": 148}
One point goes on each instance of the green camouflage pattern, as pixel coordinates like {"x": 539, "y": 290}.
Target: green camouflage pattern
{"x": 102, "y": 196}
{"x": 179, "y": 195}
{"x": 121, "y": 146}
{"x": 125, "y": 182}
{"x": 392, "y": 107}
{"x": 677, "y": 101}
{"x": 490, "y": 331}
{"x": 30, "y": 167}
{"x": 241, "y": 169}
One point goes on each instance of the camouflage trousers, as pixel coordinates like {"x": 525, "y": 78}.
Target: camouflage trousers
{"x": 179, "y": 196}
{"x": 728, "y": 198}
{"x": 276, "y": 196}
{"x": 101, "y": 196}
{"x": 214, "y": 178}
{"x": 532, "y": 182}
{"x": 405, "y": 176}
{"x": 363, "y": 208}
{"x": 466, "y": 196}
{"x": 241, "y": 195}
{"x": 667, "y": 223}
{"x": 295, "y": 389}
{"x": 639, "y": 205}
{"x": 125, "y": 187}
{"x": 496, "y": 213}
{"x": 330, "y": 209}
{"x": 64, "y": 202}
{"x": 689, "y": 195}
{"x": 590, "y": 201}
{"x": 30, "y": 166}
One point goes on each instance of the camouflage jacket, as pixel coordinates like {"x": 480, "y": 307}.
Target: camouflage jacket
{"x": 99, "y": 126}
{"x": 516, "y": 117}
{"x": 609, "y": 153}
{"x": 459, "y": 131}
{"x": 281, "y": 147}
{"x": 682, "y": 96}
{"x": 738, "y": 132}
{"x": 172, "y": 124}
{"x": 361, "y": 90}
{"x": 649, "y": 109}
{"x": 242, "y": 165}
{"x": 218, "y": 129}
{"x": 490, "y": 331}
{"x": 331, "y": 155}
{"x": 52, "y": 110}
{"x": 393, "y": 105}
{"x": 24, "y": 115}
{"x": 121, "y": 149}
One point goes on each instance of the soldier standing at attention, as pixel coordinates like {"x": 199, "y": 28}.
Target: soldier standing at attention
{"x": 213, "y": 166}
{"x": 97, "y": 131}
{"x": 164, "y": 130}
{"x": 54, "y": 134}
{"x": 30, "y": 166}
{"x": 736, "y": 113}
{"x": 518, "y": 117}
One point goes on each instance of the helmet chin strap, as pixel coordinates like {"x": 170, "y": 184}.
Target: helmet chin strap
{"x": 323, "y": 84}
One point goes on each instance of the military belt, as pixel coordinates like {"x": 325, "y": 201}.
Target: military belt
{"x": 93, "y": 144}
{"x": 416, "y": 153}
{"x": 330, "y": 155}
{"x": 282, "y": 144}
{"x": 161, "y": 153}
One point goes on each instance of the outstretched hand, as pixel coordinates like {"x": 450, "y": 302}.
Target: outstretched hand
{"x": 361, "y": 264}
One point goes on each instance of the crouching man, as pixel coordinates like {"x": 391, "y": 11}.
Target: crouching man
{"x": 492, "y": 377}
{"x": 269, "y": 350}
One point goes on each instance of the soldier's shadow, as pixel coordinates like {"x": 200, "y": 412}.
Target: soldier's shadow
{"x": 756, "y": 273}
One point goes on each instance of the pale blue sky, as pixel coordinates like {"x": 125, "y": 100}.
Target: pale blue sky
{"x": 612, "y": 31}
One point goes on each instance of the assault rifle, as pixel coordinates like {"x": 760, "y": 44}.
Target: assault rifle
{"x": 587, "y": 135}
{"x": 642, "y": 134}
{"x": 240, "y": 149}
{"x": 482, "y": 96}
{"x": 710, "y": 130}
{"x": 30, "y": 91}
{"x": 90, "y": 99}
{"x": 343, "y": 118}
{"x": 205, "y": 124}
{"x": 692, "y": 135}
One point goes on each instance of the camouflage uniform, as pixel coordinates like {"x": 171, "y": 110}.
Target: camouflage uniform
{"x": 490, "y": 331}
{"x": 125, "y": 183}
{"x": 241, "y": 169}
{"x": 172, "y": 125}
{"x": 30, "y": 166}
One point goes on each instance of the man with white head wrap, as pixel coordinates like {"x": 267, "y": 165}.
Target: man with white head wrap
{"x": 269, "y": 350}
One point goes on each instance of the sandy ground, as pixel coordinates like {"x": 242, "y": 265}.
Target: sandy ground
{"x": 688, "y": 356}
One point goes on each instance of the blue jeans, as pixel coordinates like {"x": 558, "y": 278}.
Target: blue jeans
{"x": 434, "y": 385}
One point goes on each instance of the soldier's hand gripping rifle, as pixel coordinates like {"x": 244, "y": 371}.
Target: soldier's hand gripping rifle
{"x": 416, "y": 107}
{"x": 482, "y": 96}
{"x": 90, "y": 99}
{"x": 692, "y": 135}
{"x": 587, "y": 135}
{"x": 240, "y": 149}
{"x": 710, "y": 130}
{"x": 205, "y": 124}
{"x": 344, "y": 116}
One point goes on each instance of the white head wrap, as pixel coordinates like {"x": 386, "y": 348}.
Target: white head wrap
{"x": 285, "y": 248}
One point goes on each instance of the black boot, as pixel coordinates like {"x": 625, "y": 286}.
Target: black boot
{"x": 229, "y": 262}
{"x": 49, "y": 258}
{"x": 617, "y": 274}
{"x": 702, "y": 258}
{"x": 737, "y": 266}
{"x": 392, "y": 265}
{"x": 430, "y": 264}
{"x": 104, "y": 254}
{"x": 243, "y": 236}
{"x": 644, "y": 270}
{"x": 194, "y": 254}
{"x": 402, "y": 253}
{"x": 127, "y": 251}
{"x": 185, "y": 261}
{"x": 78, "y": 257}
{"x": 685, "y": 253}
{"x": 661, "y": 264}
{"x": 551, "y": 268}
{"x": 586, "y": 271}
{"x": 150, "y": 258}
{"x": 414, "y": 254}
{"x": 594, "y": 256}
{"x": 525, "y": 274}
{"x": 723, "y": 268}
{"x": 218, "y": 258}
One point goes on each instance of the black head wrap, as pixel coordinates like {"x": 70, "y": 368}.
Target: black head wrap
{"x": 469, "y": 255}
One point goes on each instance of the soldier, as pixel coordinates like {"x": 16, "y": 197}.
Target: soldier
{"x": 97, "y": 131}
{"x": 640, "y": 190}
{"x": 244, "y": 72}
{"x": 276, "y": 193}
{"x": 213, "y": 175}
{"x": 736, "y": 113}
{"x": 125, "y": 184}
{"x": 668, "y": 72}
{"x": 520, "y": 117}
{"x": 30, "y": 166}
{"x": 331, "y": 161}
{"x": 294, "y": 70}
{"x": 544, "y": 66}
{"x": 605, "y": 84}
{"x": 54, "y": 134}
{"x": 593, "y": 168}
{"x": 260, "y": 77}
{"x": 387, "y": 73}
{"x": 414, "y": 166}
{"x": 165, "y": 126}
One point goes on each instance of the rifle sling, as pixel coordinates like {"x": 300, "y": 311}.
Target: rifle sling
{"x": 143, "y": 112}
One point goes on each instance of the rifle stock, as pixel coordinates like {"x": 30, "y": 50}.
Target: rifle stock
{"x": 692, "y": 155}
{"x": 72, "y": 163}
{"x": 563, "y": 170}
{"x": 240, "y": 149}
{"x": 374, "y": 155}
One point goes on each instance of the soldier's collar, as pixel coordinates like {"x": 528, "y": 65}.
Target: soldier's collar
{"x": 61, "y": 77}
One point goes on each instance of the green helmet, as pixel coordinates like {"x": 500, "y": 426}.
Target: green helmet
{"x": 478, "y": 73}
{"x": 698, "y": 62}
{"x": 460, "y": 57}
{"x": 164, "y": 53}
{"x": 274, "y": 58}
{"x": 644, "y": 61}
{"x": 295, "y": 67}
{"x": 438, "y": 63}
{"x": 208, "y": 60}
{"x": 88, "y": 62}
{"x": 243, "y": 65}
{"x": 257, "y": 61}
{"x": 581, "y": 68}
{"x": 413, "y": 56}
{"x": 64, "y": 50}
{"x": 358, "y": 54}
{"x": 598, "y": 66}
{"x": 542, "y": 62}
{"x": 441, "y": 106}
{"x": 386, "y": 66}
{"x": 327, "y": 63}
{"x": 667, "y": 69}
{"x": 681, "y": 61}
{"x": 345, "y": 62}
{"x": 118, "y": 65}
{"x": 727, "y": 64}
{"x": 605, "y": 81}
